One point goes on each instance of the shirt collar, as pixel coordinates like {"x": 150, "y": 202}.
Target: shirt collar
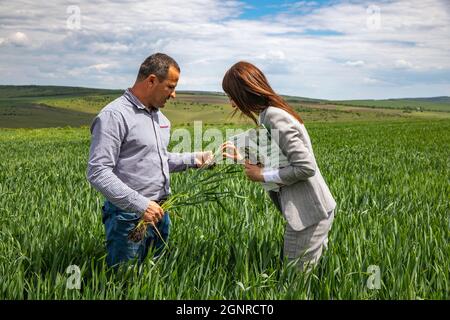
{"x": 135, "y": 101}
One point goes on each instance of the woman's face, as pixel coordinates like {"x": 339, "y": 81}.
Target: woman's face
{"x": 232, "y": 102}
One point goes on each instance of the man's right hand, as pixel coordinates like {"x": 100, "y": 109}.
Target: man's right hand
{"x": 154, "y": 213}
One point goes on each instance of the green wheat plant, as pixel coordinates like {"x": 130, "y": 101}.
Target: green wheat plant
{"x": 390, "y": 179}
{"x": 203, "y": 188}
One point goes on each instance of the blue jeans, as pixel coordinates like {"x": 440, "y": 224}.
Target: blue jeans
{"x": 118, "y": 224}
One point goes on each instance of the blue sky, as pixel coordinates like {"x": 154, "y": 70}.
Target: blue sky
{"x": 334, "y": 49}
{"x": 266, "y": 9}
{"x": 257, "y": 9}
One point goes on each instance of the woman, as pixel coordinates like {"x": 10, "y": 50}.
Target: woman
{"x": 303, "y": 197}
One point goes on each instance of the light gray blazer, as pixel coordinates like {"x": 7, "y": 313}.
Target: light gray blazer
{"x": 305, "y": 198}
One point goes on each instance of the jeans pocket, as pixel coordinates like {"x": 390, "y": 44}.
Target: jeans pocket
{"x": 108, "y": 210}
{"x": 125, "y": 222}
{"x": 127, "y": 217}
{"x": 105, "y": 213}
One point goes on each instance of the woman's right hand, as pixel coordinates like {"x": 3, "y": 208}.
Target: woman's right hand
{"x": 253, "y": 172}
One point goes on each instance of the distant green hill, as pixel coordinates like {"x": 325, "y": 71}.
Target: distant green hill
{"x": 9, "y": 91}
{"x": 416, "y": 104}
{"x": 294, "y": 99}
{"x": 443, "y": 99}
{"x": 44, "y": 91}
{"x": 50, "y": 106}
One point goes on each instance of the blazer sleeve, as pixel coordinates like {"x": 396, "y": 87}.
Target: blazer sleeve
{"x": 290, "y": 139}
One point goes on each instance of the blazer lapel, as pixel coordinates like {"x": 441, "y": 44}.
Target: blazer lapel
{"x": 262, "y": 116}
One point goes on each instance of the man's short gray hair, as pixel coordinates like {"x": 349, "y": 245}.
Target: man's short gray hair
{"x": 157, "y": 64}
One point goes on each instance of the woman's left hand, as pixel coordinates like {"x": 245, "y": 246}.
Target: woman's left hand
{"x": 253, "y": 172}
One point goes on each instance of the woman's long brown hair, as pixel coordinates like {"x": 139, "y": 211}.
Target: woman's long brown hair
{"x": 248, "y": 87}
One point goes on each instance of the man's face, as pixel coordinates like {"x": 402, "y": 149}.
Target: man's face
{"x": 164, "y": 90}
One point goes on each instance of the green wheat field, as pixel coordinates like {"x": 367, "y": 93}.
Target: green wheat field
{"x": 388, "y": 171}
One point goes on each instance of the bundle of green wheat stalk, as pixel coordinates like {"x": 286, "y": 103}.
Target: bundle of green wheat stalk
{"x": 203, "y": 189}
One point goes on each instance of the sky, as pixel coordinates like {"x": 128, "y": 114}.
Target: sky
{"x": 330, "y": 49}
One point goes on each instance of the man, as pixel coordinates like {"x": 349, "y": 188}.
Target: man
{"x": 129, "y": 162}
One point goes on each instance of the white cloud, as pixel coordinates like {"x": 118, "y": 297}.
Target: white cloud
{"x": 19, "y": 39}
{"x": 358, "y": 63}
{"x": 100, "y": 66}
{"x": 403, "y": 64}
{"x": 206, "y": 37}
{"x": 371, "y": 81}
{"x": 272, "y": 55}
